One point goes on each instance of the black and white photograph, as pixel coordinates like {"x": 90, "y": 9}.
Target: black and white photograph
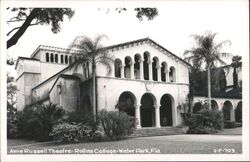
{"x": 125, "y": 80}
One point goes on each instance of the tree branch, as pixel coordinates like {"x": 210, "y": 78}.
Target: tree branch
{"x": 14, "y": 39}
{"x": 12, "y": 30}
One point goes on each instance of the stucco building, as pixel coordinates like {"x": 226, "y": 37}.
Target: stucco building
{"x": 147, "y": 81}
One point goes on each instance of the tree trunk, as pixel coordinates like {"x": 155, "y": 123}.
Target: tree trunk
{"x": 209, "y": 87}
{"x": 94, "y": 90}
{"x": 14, "y": 39}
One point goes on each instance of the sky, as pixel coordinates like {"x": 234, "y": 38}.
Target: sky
{"x": 172, "y": 28}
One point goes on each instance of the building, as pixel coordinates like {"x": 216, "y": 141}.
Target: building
{"x": 147, "y": 81}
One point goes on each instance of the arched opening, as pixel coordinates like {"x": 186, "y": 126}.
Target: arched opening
{"x": 137, "y": 66}
{"x": 166, "y": 117}
{"x": 66, "y": 59}
{"x": 147, "y": 110}
{"x": 163, "y": 71}
{"x": 155, "y": 64}
{"x": 87, "y": 108}
{"x": 214, "y": 105}
{"x": 70, "y": 60}
{"x": 238, "y": 112}
{"x": 56, "y": 58}
{"x": 118, "y": 67}
{"x": 172, "y": 74}
{"x": 47, "y": 57}
{"x": 146, "y": 57}
{"x": 52, "y": 57}
{"x": 62, "y": 59}
{"x": 127, "y": 102}
{"x": 127, "y": 67}
{"x": 227, "y": 111}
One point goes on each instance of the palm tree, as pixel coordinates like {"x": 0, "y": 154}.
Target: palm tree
{"x": 93, "y": 52}
{"x": 206, "y": 53}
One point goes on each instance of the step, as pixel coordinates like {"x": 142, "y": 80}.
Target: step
{"x": 152, "y": 131}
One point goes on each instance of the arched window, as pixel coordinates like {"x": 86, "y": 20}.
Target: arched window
{"x": 70, "y": 59}
{"x": 62, "y": 59}
{"x": 56, "y": 58}
{"x": 163, "y": 71}
{"x": 66, "y": 59}
{"x": 172, "y": 74}
{"x": 127, "y": 67}
{"x": 155, "y": 65}
{"x": 47, "y": 57}
{"x": 118, "y": 66}
{"x": 52, "y": 57}
{"x": 137, "y": 66}
{"x": 146, "y": 57}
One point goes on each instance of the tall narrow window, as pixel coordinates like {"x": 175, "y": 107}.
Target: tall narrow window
{"x": 127, "y": 67}
{"x": 47, "y": 57}
{"x": 163, "y": 71}
{"x": 52, "y": 57}
{"x": 172, "y": 75}
{"x": 66, "y": 59}
{"x": 145, "y": 65}
{"x": 154, "y": 68}
{"x": 62, "y": 58}
{"x": 118, "y": 65}
{"x": 70, "y": 60}
{"x": 137, "y": 66}
{"x": 56, "y": 58}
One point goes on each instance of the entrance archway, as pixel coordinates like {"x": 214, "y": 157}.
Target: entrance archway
{"x": 238, "y": 112}
{"x": 127, "y": 103}
{"x": 166, "y": 118}
{"x": 147, "y": 110}
{"x": 227, "y": 111}
{"x": 214, "y": 105}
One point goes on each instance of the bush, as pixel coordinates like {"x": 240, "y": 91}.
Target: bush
{"x": 204, "y": 121}
{"x": 73, "y": 133}
{"x": 116, "y": 125}
{"x": 36, "y": 122}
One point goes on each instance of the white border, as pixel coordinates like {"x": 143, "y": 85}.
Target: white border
{"x": 151, "y": 157}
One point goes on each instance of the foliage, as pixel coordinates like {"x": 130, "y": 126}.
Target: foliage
{"x": 11, "y": 106}
{"x": 197, "y": 107}
{"x": 37, "y": 122}
{"x": 206, "y": 53}
{"x": 149, "y": 12}
{"x": 205, "y": 121}
{"x": 74, "y": 132}
{"x": 92, "y": 52}
{"x": 116, "y": 125}
{"x": 40, "y": 16}
{"x": 198, "y": 80}
{"x": 81, "y": 117}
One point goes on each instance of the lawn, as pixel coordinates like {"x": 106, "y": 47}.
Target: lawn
{"x": 175, "y": 144}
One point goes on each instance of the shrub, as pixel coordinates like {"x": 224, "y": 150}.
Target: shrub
{"x": 73, "y": 133}
{"x": 204, "y": 121}
{"x": 36, "y": 122}
{"x": 116, "y": 125}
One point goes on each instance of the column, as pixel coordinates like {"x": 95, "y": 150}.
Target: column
{"x": 138, "y": 116}
{"x": 232, "y": 115}
{"x": 132, "y": 70}
{"x": 158, "y": 73}
{"x": 122, "y": 71}
{"x": 141, "y": 70}
{"x": 150, "y": 70}
{"x": 167, "y": 75}
{"x": 157, "y": 116}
